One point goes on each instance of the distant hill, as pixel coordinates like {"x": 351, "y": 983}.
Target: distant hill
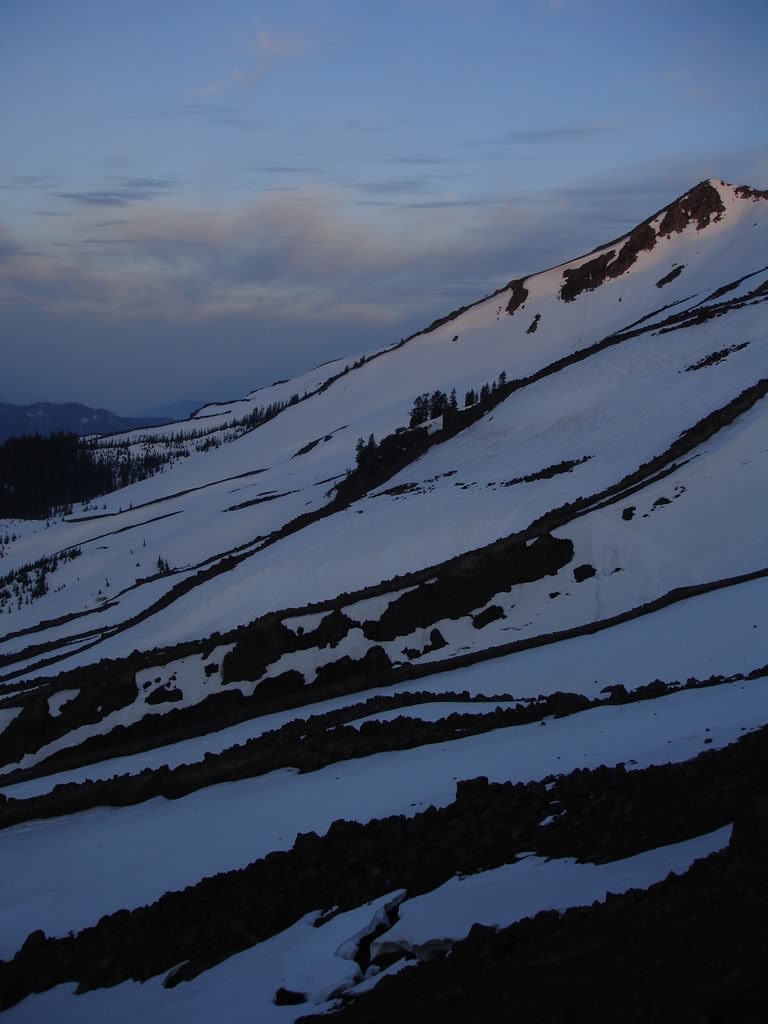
{"x": 50, "y": 417}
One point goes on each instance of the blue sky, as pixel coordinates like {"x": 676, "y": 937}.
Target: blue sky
{"x": 196, "y": 199}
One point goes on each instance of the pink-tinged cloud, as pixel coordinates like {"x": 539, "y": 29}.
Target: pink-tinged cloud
{"x": 265, "y": 50}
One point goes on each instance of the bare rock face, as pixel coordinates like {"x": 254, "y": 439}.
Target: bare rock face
{"x": 642, "y": 239}
{"x": 491, "y": 614}
{"x": 675, "y": 272}
{"x": 519, "y": 295}
{"x": 587, "y": 277}
{"x": 468, "y": 582}
{"x": 747, "y": 192}
{"x": 583, "y": 572}
{"x": 595, "y": 272}
{"x": 702, "y": 205}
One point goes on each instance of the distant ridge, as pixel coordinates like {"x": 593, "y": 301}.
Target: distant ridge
{"x": 71, "y": 417}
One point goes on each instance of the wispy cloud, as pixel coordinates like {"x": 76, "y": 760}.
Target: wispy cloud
{"x": 561, "y": 133}
{"x": 416, "y": 161}
{"x": 27, "y": 181}
{"x": 278, "y": 46}
{"x": 109, "y": 223}
{"x": 395, "y": 186}
{"x": 236, "y": 77}
{"x": 283, "y": 169}
{"x": 124, "y": 193}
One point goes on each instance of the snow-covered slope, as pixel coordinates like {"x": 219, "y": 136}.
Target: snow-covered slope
{"x": 586, "y": 521}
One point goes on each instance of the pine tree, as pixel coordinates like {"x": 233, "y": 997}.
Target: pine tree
{"x": 419, "y": 412}
{"x": 436, "y": 404}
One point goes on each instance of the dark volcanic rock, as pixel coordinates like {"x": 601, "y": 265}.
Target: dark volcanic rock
{"x": 746, "y": 192}
{"x": 519, "y": 295}
{"x": 491, "y": 614}
{"x": 470, "y": 581}
{"x": 587, "y": 277}
{"x": 642, "y": 239}
{"x": 331, "y": 629}
{"x": 279, "y": 689}
{"x": 583, "y": 572}
{"x": 675, "y": 272}
{"x": 436, "y": 642}
{"x": 715, "y": 357}
{"x": 284, "y": 997}
{"x": 263, "y": 643}
{"x": 592, "y": 274}
{"x": 163, "y": 695}
{"x": 373, "y": 663}
{"x": 701, "y": 204}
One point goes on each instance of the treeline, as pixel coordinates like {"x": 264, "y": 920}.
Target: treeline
{"x": 254, "y": 418}
{"x": 267, "y": 412}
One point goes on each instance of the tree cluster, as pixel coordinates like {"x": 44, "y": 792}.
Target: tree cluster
{"x": 429, "y": 407}
{"x": 5, "y": 540}
{"x": 29, "y": 582}
{"x": 486, "y": 392}
{"x": 365, "y": 452}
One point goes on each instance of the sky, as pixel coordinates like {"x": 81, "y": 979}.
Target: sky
{"x": 197, "y": 199}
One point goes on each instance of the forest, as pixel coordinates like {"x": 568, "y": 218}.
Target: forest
{"x": 40, "y": 476}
